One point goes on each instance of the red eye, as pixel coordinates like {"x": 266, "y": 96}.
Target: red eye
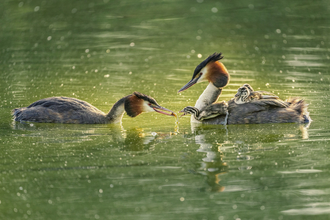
{"x": 201, "y": 73}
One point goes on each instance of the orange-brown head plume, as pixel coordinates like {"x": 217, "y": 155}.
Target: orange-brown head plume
{"x": 217, "y": 74}
{"x": 133, "y": 105}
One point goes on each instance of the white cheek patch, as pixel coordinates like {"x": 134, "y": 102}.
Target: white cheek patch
{"x": 146, "y": 107}
{"x": 203, "y": 76}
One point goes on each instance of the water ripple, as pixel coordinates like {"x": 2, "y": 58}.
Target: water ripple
{"x": 315, "y": 209}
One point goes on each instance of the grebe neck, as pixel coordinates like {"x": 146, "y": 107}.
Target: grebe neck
{"x": 117, "y": 111}
{"x": 209, "y": 96}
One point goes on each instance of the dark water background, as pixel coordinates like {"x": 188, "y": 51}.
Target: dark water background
{"x": 100, "y": 51}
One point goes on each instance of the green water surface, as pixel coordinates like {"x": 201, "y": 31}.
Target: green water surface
{"x": 100, "y": 51}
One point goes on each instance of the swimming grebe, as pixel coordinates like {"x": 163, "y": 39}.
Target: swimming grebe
{"x": 260, "y": 109}
{"x": 75, "y": 111}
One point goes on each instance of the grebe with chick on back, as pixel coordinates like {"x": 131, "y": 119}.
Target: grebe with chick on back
{"x": 248, "y": 106}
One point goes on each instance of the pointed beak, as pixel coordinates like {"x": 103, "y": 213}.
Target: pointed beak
{"x": 161, "y": 110}
{"x": 189, "y": 84}
{"x": 184, "y": 113}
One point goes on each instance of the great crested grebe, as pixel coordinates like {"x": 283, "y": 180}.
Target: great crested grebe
{"x": 75, "y": 111}
{"x": 258, "y": 109}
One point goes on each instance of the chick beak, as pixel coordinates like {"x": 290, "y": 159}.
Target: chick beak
{"x": 158, "y": 109}
{"x": 184, "y": 113}
{"x": 189, "y": 84}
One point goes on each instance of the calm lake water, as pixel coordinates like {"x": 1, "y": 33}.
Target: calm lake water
{"x": 102, "y": 50}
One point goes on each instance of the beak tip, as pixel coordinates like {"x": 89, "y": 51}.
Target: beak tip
{"x": 171, "y": 113}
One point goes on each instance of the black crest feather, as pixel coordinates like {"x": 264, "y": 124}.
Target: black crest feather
{"x": 214, "y": 57}
{"x": 146, "y": 98}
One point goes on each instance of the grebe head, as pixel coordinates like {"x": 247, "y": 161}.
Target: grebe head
{"x": 190, "y": 110}
{"x": 138, "y": 103}
{"x": 242, "y": 94}
{"x": 210, "y": 70}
